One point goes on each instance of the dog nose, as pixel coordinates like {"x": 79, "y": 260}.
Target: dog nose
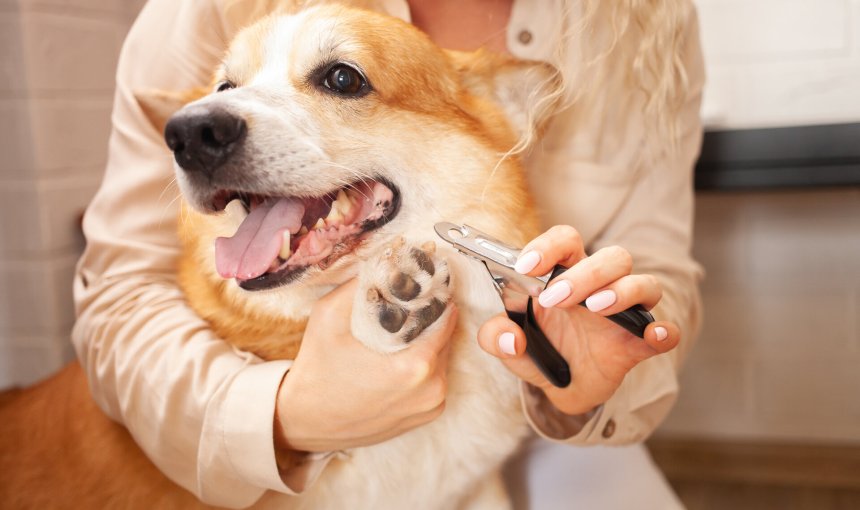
{"x": 202, "y": 137}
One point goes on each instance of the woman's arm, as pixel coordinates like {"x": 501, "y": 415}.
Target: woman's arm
{"x": 653, "y": 223}
{"x": 201, "y": 411}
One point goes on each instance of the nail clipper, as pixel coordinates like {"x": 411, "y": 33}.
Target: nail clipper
{"x": 517, "y": 291}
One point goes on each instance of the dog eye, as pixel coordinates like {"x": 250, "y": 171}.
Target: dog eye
{"x": 345, "y": 80}
{"x": 224, "y": 85}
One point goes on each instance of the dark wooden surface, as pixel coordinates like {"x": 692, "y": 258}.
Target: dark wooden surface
{"x": 752, "y": 496}
{"x": 716, "y": 475}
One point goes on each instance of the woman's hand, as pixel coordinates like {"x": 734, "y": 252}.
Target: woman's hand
{"x": 599, "y": 352}
{"x": 339, "y": 394}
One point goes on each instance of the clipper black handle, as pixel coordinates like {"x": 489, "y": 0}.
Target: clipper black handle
{"x": 548, "y": 360}
{"x": 551, "y": 364}
{"x": 545, "y": 356}
{"x": 635, "y": 319}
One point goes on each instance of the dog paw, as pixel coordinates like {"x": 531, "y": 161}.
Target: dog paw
{"x": 400, "y": 295}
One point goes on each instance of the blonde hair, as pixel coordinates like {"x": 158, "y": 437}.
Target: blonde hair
{"x": 643, "y": 38}
{"x": 629, "y": 49}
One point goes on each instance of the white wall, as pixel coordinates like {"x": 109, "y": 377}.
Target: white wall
{"x": 57, "y": 60}
{"x": 781, "y": 62}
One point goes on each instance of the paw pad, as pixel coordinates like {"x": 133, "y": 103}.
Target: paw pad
{"x": 407, "y": 291}
{"x": 404, "y": 287}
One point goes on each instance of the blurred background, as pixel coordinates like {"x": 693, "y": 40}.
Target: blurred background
{"x": 769, "y": 414}
{"x": 769, "y": 411}
{"x": 57, "y": 63}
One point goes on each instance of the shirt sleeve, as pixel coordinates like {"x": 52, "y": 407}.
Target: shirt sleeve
{"x": 655, "y": 224}
{"x": 201, "y": 411}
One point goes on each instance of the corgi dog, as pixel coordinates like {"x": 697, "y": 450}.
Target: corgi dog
{"x": 332, "y": 141}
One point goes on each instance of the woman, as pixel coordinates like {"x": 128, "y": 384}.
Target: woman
{"x": 616, "y": 163}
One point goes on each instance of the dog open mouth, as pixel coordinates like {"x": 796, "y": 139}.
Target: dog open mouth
{"x": 280, "y": 237}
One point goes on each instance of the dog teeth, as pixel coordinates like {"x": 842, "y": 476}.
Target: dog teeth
{"x": 344, "y": 201}
{"x": 333, "y": 217}
{"x": 320, "y": 224}
{"x": 235, "y": 211}
{"x": 303, "y": 230}
{"x": 335, "y": 214}
{"x": 285, "y": 247}
{"x": 339, "y": 208}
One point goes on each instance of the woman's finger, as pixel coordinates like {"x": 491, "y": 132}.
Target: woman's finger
{"x": 428, "y": 354}
{"x": 662, "y": 336}
{"x": 586, "y": 277}
{"x": 419, "y": 419}
{"x": 641, "y": 289}
{"x": 561, "y": 245}
{"x": 437, "y": 336}
{"x": 502, "y": 338}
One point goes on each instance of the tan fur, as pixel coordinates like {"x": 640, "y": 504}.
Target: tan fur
{"x": 60, "y": 451}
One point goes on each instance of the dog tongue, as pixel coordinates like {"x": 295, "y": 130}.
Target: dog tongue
{"x": 251, "y": 250}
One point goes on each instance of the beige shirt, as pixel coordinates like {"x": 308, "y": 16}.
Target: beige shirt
{"x": 202, "y": 411}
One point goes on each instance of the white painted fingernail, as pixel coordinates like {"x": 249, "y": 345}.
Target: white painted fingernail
{"x": 555, "y": 294}
{"x": 526, "y": 262}
{"x": 507, "y": 343}
{"x": 601, "y": 300}
{"x": 661, "y": 333}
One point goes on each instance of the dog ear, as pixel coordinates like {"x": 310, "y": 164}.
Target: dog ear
{"x": 160, "y": 105}
{"x": 527, "y": 91}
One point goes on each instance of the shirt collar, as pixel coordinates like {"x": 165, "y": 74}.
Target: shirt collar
{"x": 534, "y": 31}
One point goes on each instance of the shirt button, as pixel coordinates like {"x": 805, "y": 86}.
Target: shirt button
{"x": 609, "y": 429}
{"x": 525, "y": 36}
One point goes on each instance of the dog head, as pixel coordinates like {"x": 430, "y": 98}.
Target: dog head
{"x": 330, "y": 130}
